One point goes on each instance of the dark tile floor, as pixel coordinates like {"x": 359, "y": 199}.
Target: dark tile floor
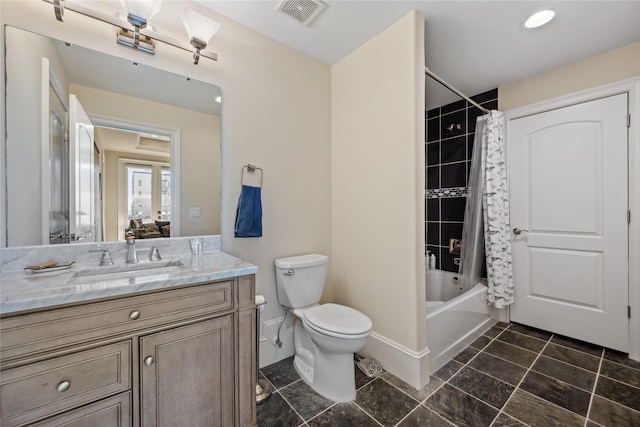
{"x": 513, "y": 375}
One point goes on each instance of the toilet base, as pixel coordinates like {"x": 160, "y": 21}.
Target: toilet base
{"x": 332, "y": 376}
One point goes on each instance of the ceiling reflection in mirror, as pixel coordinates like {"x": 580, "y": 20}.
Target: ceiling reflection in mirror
{"x": 145, "y": 156}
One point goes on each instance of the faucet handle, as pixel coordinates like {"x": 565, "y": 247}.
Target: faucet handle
{"x": 106, "y": 256}
{"x": 154, "y": 255}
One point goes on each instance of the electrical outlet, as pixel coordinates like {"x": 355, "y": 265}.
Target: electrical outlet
{"x": 194, "y": 213}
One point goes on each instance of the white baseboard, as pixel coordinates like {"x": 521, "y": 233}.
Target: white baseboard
{"x": 410, "y": 366}
{"x": 501, "y": 314}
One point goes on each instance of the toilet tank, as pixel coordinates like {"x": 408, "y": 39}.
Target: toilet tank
{"x": 300, "y": 279}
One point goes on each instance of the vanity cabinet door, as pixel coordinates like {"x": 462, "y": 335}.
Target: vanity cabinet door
{"x": 187, "y": 375}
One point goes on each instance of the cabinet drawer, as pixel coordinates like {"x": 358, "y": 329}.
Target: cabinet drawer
{"x": 40, "y": 389}
{"x": 111, "y": 412}
{"x": 38, "y": 332}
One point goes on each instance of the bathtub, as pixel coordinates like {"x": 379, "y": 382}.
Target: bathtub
{"x": 454, "y": 318}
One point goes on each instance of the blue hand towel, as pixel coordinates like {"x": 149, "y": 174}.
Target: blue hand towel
{"x": 249, "y": 213}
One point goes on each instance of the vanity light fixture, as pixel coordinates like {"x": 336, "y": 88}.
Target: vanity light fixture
{"x": 540, "y": 18}
{"x": 200, "y": 29}
{"x": 136, "y": 33}
{"x": 138, "y": 13}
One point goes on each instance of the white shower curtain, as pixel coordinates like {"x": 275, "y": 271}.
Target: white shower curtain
{"x": 495, "y": 206}
{"x": 488, "y": 209}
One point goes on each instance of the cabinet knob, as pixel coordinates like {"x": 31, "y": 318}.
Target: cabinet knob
{"x": 149, "y": 360}
{"x": 134, "y": 315}
{"x": 63, "y": 386}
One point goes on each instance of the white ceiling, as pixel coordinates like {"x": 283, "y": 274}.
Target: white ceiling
{"x": 474, "y": 45}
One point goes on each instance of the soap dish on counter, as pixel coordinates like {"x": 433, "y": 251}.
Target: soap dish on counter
{"x": 47, "y": 267}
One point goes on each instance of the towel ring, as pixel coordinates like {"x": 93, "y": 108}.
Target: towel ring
{"x": 252, "y": 169}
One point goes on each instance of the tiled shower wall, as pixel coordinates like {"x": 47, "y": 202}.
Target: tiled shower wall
{"x": 450, "y": 131}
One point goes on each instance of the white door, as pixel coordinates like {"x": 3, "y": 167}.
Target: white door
{"x": 55, "y": 165}
{"x": 568, "y": 191}
{"x": 81, "y": 185}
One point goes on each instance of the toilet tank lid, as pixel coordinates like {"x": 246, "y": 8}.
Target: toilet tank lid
{"x": 299, "y": 261}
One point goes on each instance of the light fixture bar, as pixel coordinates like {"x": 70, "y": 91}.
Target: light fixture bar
{"x": 127, "y": 39}
{"x": 125, "y": 25}
{"x": 58, "y": 9}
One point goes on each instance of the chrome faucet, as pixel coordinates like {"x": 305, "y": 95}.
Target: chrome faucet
{"x": 132, "y": 256}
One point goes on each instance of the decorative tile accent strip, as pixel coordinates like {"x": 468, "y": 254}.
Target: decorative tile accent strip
{"x": 446, "y": 192}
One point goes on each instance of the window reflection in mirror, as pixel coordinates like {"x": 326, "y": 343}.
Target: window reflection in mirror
{"x": 127, "y": 105}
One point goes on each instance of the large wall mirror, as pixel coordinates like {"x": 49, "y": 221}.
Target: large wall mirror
{"x": 97, "y": 144}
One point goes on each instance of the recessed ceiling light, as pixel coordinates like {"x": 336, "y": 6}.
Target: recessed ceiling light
{"x": 538, "y": 19}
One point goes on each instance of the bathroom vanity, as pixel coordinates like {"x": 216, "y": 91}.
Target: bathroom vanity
{"x": 150, "y": 346}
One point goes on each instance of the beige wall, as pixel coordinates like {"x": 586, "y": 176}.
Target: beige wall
{"x": 23, "y": 147}
{"x": 275, "y": 114}
{"x": 199, "y": 150}
{"x": 377, "y": 112}
{"x": 608, "y": 67}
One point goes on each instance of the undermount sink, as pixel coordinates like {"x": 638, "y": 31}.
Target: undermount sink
{"x": 127, "y": 270}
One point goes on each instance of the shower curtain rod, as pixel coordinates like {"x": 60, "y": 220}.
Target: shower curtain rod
{"x": 454, "y": 90}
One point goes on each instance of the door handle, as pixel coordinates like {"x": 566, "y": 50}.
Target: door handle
{"x": 518, "y": 231}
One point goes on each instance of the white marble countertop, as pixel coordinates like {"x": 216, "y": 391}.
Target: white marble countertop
{"x": 22, "y": 290}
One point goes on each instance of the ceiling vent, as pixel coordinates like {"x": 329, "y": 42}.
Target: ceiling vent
{"x": 302, "y": 11}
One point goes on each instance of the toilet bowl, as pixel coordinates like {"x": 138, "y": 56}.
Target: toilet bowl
{"x": 325, "y": 335}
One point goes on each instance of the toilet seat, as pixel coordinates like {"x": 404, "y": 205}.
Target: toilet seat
{"x": 337, "y": 321}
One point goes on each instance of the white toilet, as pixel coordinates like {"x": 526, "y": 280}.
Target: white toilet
{"x": 325, "y": 336}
